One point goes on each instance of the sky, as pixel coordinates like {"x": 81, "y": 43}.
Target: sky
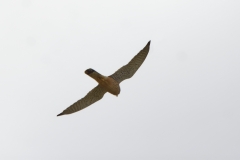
{"x": 182, "y": 104}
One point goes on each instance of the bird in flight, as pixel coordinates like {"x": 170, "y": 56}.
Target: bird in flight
{"x": 108, "y": 83}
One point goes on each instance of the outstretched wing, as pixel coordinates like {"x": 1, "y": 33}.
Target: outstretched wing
{"x": 93, "y": 96}
{"x": 130, "y": 69}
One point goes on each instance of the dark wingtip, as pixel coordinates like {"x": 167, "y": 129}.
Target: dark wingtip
{"x": 60, "y": 114}
{"x": 149, "y": 42}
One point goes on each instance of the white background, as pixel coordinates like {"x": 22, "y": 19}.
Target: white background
{"x": 183, "y": 103}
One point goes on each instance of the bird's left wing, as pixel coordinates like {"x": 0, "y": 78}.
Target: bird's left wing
{"x": 131, "y": 68}
{"x": 93, "y": 96}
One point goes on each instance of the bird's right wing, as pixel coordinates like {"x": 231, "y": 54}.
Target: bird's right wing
{"x": 131, "y": 68}
{"x": 93, "y": 96}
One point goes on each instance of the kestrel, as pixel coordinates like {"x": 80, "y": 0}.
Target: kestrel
{"x": 108, "y": 83}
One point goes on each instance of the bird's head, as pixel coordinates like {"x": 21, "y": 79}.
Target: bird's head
{"x": 89, "y": 71}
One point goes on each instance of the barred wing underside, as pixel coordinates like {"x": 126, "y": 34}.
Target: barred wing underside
{"x": 130, "y": 69}
{"x": 93, "y": 96}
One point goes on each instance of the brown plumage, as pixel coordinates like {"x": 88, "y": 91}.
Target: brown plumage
{"x": 108, "y": 83}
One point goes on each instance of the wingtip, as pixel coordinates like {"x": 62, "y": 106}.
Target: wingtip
{"x": 149, "y": 42}
{"x": 60, "y": 114}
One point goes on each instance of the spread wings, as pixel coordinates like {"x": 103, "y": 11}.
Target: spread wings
{"x": 93, "y": 96}
{"x": 130, "y": 69}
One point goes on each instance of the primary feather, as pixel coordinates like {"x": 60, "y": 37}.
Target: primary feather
{"x": 131, "y": 68}
{"x": 93, "y": 96}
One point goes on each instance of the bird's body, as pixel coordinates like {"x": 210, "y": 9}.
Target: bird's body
{"x": 111, "y": 85}
{"x": 108, "y": 83}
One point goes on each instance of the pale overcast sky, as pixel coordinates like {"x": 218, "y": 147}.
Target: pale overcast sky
{"x": 182, "y": 104}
